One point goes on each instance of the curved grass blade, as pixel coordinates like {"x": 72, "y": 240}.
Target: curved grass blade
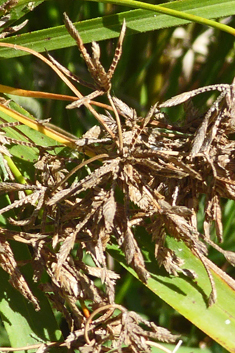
{"x": 189, "y": 297}
{"x": 107, "y": 27}
{"x": 38, "y": 94}
{"x": 172, "y": 12}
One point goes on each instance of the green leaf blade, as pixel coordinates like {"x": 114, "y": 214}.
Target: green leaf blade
{"x": 190, "y": 297}
{"x": 107, "y": 27}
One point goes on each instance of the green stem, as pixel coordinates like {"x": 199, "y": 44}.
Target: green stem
{"x": 16, "y": 172}
{"x": 171, "y": 12}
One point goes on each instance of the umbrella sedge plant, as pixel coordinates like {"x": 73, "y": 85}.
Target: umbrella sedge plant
{"x": 117, "y": 179}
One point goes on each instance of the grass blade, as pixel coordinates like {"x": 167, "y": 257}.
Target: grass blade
{"x": 189, "y": 297}
{"x": 107, "y": 27}
{"x": 172, "y": 12}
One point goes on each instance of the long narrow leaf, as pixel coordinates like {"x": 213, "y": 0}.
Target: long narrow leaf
{"x": 97, "y": 29}
{"x": 190, "y": 297}
{"x": 172, "y": 12}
